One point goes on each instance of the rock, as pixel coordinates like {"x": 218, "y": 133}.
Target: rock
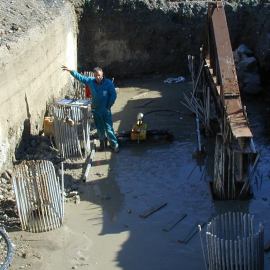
{"x": 72, "y": 194}
{"x": 4, "y": 182}
{"x": 247, "y": 70}
{"x": 243, "y": 50}
{"x": 4, "y": 217}
{"x": 14, "y": 27}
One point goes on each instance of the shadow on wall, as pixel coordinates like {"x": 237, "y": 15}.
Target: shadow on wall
{"x": 35, "y": 147}
{"x": 22, "y": 146}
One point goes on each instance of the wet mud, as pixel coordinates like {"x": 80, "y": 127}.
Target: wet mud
{"x": 105, "y": 230}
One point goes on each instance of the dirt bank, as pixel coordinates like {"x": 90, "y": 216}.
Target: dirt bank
{"x": 136, "y": 37}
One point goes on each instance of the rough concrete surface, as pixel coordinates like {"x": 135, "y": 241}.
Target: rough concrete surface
{"x": 104, "y": 231}
{"x": 30, "y": 71}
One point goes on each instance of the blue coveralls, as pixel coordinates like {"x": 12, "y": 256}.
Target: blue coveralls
{"x": 103, "y": 97}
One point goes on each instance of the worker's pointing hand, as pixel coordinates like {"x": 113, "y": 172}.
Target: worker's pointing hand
{"x": 64, "y": 68}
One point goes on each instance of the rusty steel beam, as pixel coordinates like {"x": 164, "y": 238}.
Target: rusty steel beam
{"x": 228, "y": 78}
{"x": 222, "y": 72}
{"x": 232, "y": 175}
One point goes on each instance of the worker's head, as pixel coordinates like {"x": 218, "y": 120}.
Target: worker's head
{"x": 98, "y": 73}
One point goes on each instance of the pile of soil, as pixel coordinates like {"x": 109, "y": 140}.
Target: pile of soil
{"x": 18, "y": 16}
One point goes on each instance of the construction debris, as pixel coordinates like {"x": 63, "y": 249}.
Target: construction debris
{"x": 173, "y": 223}
{"x": 152, "y": 210}
{"x": 191, "y": 233}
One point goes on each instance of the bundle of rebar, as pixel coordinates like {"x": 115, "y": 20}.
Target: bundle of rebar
{"x": 39, "y": 195}
{"x": 72, "y": 127}
{"x": 80, "y": 87}
{"x": 232, "y": 242}
{"x": 200, "y": 106}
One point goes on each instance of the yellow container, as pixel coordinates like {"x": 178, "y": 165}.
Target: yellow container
{"x": 138, "y": 132}
{"x": 48, "y": 126}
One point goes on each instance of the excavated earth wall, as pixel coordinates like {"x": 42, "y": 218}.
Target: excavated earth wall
{"x": 126, "y": 38}
{"x": 32, "y": 50}
{"x": 135, "y": 37}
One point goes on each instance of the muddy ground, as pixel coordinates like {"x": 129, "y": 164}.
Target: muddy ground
{"x": 104, "y": 230}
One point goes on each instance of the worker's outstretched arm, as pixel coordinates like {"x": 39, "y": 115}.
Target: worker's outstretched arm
{"x": 78, "y": 76}
{"x": 112, "y": 95}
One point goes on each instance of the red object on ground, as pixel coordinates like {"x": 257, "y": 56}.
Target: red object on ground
{"x": 88, "y": 92}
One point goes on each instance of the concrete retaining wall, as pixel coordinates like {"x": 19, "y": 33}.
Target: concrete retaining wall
{"x": 30, "y": 75}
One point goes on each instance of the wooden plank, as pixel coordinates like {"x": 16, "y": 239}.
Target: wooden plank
{"x": 92, "y": 155}
{"x": 152, "y": 210}
{"x": 87, "y": 171}
{"x": 89, "y": 165}
{"x": 170, "y": 225}
{"x": 194, "y": 229}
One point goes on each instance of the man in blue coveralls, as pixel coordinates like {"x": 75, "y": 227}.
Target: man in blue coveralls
{"x": 103, "y": 97}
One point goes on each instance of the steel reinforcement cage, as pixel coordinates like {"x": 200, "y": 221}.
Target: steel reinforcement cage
{"x": 72, "y": 120}
{"x": 232, "y": 242}
{"x": 39, "y": 195}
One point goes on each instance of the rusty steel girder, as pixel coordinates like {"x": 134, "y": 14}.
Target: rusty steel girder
{"x": 220, "y": 63}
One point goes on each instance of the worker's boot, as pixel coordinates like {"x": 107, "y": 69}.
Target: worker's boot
{"x": 102, "y": 145}
{"x": 115, "y": 148}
